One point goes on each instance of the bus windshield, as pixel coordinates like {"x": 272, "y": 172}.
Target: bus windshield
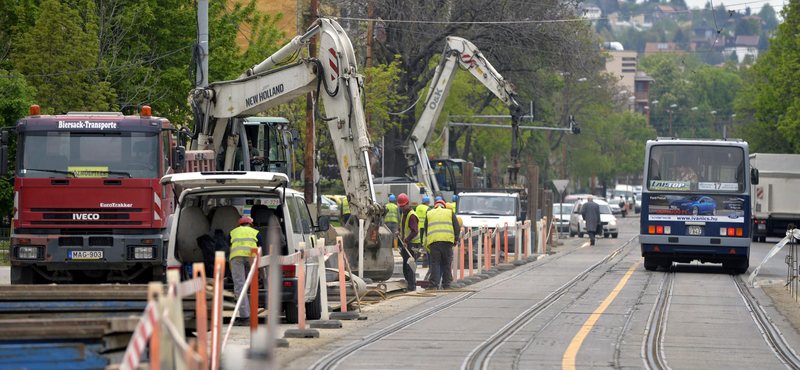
{"x": 90, "y": 154}
{"x": 694, "y": 167}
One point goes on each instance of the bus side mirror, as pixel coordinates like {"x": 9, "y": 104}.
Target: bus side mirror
{"x": 754, "y": 176}
{"x": 4, "y": 157}
{"x": 4, "y": 137}
{"x": 178, "y": 158}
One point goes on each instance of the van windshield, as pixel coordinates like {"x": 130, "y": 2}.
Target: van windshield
{"x": 487, "y": 205}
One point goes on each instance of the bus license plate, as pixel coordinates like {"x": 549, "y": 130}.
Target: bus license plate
{"x": 85, "y": 255}
{"x": 695, "y": 230}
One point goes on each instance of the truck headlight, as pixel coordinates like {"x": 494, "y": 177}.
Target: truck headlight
{"x": 28, "y": 252}
{"x": 141, "y": 253}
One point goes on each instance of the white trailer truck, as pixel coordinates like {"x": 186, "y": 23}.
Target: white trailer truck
{"x": 774, "y": 201}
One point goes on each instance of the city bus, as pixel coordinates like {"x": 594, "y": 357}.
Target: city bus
{"x": 696, "y": 203}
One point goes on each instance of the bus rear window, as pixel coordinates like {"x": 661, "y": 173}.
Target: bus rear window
{"x": 709, "y": 168}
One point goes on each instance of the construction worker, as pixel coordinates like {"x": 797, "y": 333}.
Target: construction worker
{"x": 452, "y": 205}
{"x": 345, "y": 210}
{"x": 442, "y": 228}
{"x": 421, "y": 211}
{"x": 409, "y": 234}
{"x": 392, "y": 217}
{"x": 244, "y": 241}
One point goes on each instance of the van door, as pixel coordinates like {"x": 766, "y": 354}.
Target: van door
{"x": 303, "y": 232}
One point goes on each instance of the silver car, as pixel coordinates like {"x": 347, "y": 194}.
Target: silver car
{"x": 561, "y": 213}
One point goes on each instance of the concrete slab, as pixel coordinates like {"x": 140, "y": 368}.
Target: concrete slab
{"x": 344, "y": 315}
{"x": 301, "y": 333}
{"x": 325, "y": 324}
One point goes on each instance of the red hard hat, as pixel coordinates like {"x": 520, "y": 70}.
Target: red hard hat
{"x": 402, "y": 199}
{"x": 245, "y": 221}
{"x": 440, "y": 203}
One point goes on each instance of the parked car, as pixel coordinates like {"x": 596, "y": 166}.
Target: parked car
{"x": 577, "y": 226}
{"x": 696, "y": 204}
{"x": 615, "y": 210}
{"x": 329, "y": 208}
{"x": 561, "y": 213}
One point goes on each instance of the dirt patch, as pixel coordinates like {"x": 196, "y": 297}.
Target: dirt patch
{"x": 784, "y": 303}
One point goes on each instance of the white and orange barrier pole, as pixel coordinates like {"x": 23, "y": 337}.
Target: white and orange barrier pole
{"x": 496, "y": 244}
{"x": 342, "y": 286}
{"x": 154, "y": 291}
{"x": 470, "y": 251}
{"x": 526, "y": 237}
{"x": 255, "y": 256}
{"x": 301, "y": 288}
{"x": 461, "y": 257}
{"x": 201, "y": 314}
{"x": 487, "y": 243}
{"x": 323, "y": 283}
{"x": 216, "y": 310}
{"x": 505, "y": 247}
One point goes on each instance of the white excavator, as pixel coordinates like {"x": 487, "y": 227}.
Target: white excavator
{"x": 422, "y": 179}
{"x": 221, "y": 108}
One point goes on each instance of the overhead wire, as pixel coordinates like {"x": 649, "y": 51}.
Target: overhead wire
{"x": 144, "y": 61}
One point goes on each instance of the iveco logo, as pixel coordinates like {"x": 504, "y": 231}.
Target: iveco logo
{"x": 85, "y": 216}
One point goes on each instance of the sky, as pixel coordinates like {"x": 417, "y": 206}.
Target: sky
{"x": 740, "y": 5}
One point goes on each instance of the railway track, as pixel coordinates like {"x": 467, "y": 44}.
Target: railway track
{"x": 333, "y": 359}
{"x": 480, "y": 356}
{"x": 652, "y": 351}
{"x": 769, "y": 331}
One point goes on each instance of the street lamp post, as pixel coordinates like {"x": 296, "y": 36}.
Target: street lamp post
{"x": 713, "y": 122}
{"x": 673, "y": 106}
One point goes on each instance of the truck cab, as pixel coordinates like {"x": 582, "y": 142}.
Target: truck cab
{"x": 207, "y": 212}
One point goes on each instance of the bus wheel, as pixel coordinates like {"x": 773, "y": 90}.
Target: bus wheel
{"x": 738, "y": 267}
{"x": 650, "y": 263}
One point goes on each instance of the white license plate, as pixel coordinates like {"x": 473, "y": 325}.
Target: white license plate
{"x": 85, "y": 255}
{"x": 695, "y": 230}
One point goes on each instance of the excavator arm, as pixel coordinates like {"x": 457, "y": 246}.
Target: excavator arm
{"x": 457, "y": 51}
{"x": 334, "y": 76}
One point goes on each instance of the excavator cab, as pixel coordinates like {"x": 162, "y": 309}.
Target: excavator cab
{"x": 273, "y": 145}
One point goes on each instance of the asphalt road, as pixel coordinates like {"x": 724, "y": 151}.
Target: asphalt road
{"x": 583, "y": 306}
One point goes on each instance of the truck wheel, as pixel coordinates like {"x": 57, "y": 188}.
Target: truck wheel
{"x": 650, "y": 263}
{"x": 314, "y": 308}
{"x": 22, "y": 274}
{"x": 290, "y": 309}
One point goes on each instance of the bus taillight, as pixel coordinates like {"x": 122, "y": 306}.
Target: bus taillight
{"x": 651, "y": 229}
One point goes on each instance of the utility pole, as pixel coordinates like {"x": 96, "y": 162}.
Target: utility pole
{"x": 564, "y": 158}
{"x": 202, "y": 40}
{"x": 308, "y": 179}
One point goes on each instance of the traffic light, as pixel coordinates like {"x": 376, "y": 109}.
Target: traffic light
{"x": 573, "y": 126}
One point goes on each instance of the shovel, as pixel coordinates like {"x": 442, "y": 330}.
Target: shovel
{"x": 410, "y": 260}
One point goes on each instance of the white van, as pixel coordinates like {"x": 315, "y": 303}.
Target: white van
{"x": 207, "y": 207}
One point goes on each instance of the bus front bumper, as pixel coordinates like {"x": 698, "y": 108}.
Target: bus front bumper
{"x": 682, "y": 248}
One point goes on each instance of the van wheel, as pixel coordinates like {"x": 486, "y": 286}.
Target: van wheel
{"x": 614, "y": 235}
{"x": 571, "y": 234}
{"x": 580, "y": 235}
{"x": 314, "y": 308}
{"x": 650, "y": 263}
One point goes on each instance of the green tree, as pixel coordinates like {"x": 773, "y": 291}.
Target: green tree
{"x": 15, "y": 99}
{"x": 769, "y": 106}
{"x": 769, "y": 16}
{"x": 747, "y": 27}
{"x": 58, "y": 44}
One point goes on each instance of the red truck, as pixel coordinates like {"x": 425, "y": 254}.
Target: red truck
{"x": 88, "y": 204}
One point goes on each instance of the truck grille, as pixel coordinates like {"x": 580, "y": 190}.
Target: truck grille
{"x": 101, "y": 241}
{"x": 70, "y": 241}
{"x": 105, "y": 216}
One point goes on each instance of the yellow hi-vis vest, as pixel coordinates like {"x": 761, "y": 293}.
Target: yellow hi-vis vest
{"x": 422, "y": 212}
{"x": 440, "y": 227}
{"x": 393, "y": 214}
{"x": 407, "y": 230}
{"x": 244, "y": 240}
{"x": 345, "y": 206}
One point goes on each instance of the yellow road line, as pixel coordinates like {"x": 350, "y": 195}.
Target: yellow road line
{"x": 568, "y": 361}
